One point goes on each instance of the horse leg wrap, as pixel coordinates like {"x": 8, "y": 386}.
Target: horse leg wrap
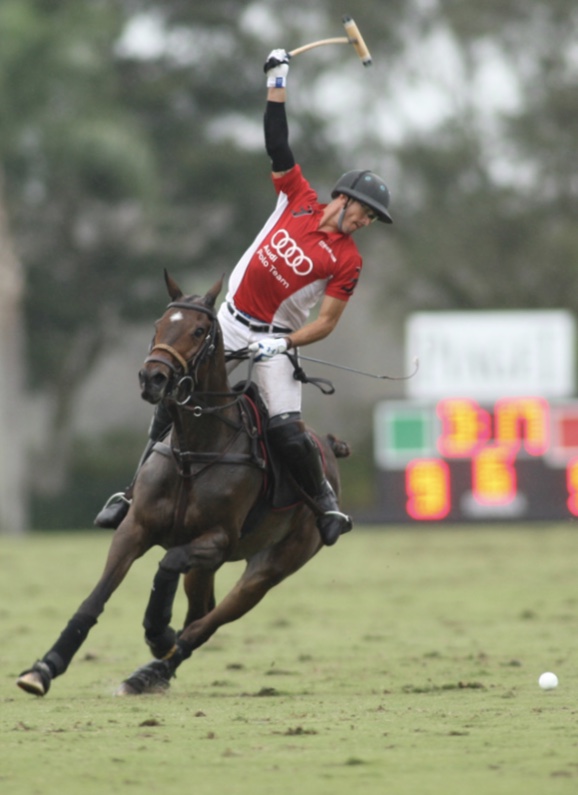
{"x": 158, "y": 634}
{"x": 71, "y": 639}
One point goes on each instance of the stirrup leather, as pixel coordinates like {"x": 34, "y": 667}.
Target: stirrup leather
{"x": 338, "y": 514}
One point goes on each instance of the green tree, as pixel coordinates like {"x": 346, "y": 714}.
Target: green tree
{"x": 492, "y": 211}
{"x": 78, "y": 171}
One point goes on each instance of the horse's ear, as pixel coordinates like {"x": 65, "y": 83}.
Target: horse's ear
{"x": 213, "y": 293}
{"x": 175, "y": 291}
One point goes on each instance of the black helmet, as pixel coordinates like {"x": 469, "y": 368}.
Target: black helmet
{"x": 368, "y": 188}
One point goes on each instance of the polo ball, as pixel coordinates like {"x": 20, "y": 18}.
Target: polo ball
{"x": 548, "y": 681}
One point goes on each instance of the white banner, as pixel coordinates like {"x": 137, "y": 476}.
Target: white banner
{"x": 491, "y": 354}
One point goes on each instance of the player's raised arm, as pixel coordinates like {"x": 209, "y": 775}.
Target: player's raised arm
{"x": 275, "y": 122}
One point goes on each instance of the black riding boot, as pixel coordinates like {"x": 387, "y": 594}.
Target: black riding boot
{"x": 300, "y": 453}
{"x": 116, "y": 507}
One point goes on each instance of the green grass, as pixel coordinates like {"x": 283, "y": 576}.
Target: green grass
{"x": 401, "y": 661}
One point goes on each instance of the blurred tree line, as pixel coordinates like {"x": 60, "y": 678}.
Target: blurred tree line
{"x": 130, "y": 141}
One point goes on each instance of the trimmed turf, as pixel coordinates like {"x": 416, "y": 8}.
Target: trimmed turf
{"x": 399, "y": 661}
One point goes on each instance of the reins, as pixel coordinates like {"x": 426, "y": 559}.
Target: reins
{"x": 299, "y": 374}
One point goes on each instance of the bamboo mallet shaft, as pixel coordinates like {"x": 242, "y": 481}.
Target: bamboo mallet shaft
{"x": 353, "y": 37}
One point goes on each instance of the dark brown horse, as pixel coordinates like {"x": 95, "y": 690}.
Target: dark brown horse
{"x": 200, "y": 497}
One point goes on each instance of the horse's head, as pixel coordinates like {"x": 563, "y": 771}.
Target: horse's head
{"x": 185, "y": 339}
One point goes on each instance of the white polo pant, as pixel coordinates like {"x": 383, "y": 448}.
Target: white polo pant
{"x": 274, "y": 377}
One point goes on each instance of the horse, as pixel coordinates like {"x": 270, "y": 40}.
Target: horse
{"x": 201, "y": 496}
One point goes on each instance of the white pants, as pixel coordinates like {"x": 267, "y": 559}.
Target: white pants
{"x": 274, "y": 377}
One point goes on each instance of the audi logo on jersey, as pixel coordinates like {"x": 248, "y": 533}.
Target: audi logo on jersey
{"x": 284, "y": 245}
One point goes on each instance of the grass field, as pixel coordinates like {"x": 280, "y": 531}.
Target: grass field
{"x": 400, "y": 661}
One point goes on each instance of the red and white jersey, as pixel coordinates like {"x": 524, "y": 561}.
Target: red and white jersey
{"x": 291, "y": 264}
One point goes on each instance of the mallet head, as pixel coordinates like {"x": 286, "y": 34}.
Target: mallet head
{"x": 356, "y": 39}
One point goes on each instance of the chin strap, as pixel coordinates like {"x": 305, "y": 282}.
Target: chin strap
{"x": 342, "y": 216}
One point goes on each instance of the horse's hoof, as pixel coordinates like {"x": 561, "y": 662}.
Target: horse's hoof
{"x": 151, "y": 678}
{"x": 132, "y": 688}
{"x": 126, "y": 689}
{"x": 31, "y": 683}
{"x": 36, "y": 680}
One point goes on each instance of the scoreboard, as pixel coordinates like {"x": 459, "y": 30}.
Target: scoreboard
{"x": 459, "y": 459}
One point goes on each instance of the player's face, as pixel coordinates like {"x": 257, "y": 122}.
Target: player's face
{"x": 357, "y": 215}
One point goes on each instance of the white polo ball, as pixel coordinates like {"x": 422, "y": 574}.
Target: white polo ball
{"x": 548, "y": 681}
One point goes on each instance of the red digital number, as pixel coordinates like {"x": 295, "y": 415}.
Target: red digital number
{"x": 428, "y": 489}
{"x": 572, "y": 486}
{"x": 524, "y": 421}
{"x": 494, "y": 480}
{"x": 465, "y": 427}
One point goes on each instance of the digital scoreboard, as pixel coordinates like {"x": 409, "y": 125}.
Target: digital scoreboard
{"x": 459, "y": 459}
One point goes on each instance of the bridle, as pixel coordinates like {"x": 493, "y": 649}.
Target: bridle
{"x": 181, "y": 390}
{"x": 185, "y": 372}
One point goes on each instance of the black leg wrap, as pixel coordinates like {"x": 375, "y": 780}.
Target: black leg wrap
{"x": 161, "y": 644}
{"x": 160, "y": 607}
{"x": 159, "y": 636}
{"x": 71, "y": 639}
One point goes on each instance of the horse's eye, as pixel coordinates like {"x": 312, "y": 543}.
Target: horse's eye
{"x": 199, "y": 332}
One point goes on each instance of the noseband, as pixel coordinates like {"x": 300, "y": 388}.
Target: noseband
{"x": 186, "y": 371}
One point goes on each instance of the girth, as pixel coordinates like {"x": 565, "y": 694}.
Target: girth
{"x": 192, "y": 457}
{"x": 251, "y": 425}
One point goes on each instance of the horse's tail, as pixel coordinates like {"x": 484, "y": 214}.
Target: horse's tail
{"x": 340, "y": 449}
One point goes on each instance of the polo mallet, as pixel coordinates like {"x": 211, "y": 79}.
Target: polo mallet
{"x": 353, "y": 37}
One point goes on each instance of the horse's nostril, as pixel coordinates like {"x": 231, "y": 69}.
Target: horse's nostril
{"x": 158, "y": 379}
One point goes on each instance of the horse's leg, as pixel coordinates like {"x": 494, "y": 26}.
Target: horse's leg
{"x": 203, "y": 554}
{"x": 127, "y": 545}
{"x": 206, "y": 552}
{"x": 199, "y": 588}
{"x": 200, "y": 591}
{"x": 263, "y": 571}
{"x": 160, "y": 637}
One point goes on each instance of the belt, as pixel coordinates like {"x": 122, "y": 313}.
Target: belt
{"x": 267, "y": 328}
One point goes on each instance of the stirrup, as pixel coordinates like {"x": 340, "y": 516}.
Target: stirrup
{"x": 120, "y": 496}
{"x": 113, "y": 512}
{"x": 332, "y": 525}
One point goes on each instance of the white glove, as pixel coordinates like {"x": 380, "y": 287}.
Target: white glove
{"x": 269, "y": 347}
{"x": 277, "y": 68}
